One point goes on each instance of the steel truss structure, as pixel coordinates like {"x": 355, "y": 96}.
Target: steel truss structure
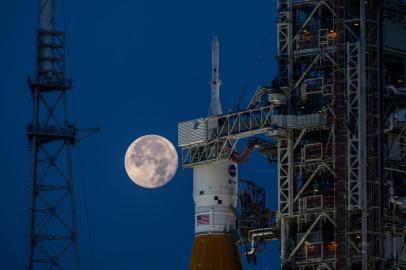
{"x": 341, "y": 175}
{"x": 53, "y": 242}
{"x": 53, "y": 234}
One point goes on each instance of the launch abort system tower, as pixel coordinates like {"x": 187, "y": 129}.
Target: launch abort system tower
{"x": 336, "y": 115}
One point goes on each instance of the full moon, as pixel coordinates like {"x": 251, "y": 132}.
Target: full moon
{"x": 151, "y": 161}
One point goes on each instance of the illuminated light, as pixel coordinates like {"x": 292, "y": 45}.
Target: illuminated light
{"x": 331, "y": 31}
{"x": 302, "y": 107}
{"x": 304, "y": 30}
{"x": 316, "y": 190}
{"x": 358, "y": 237}
{"x": 400, "y": 81}
{"x": 356, "y": 24}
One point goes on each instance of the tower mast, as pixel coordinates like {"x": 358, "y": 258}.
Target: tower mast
{"x": 53, "y": 239}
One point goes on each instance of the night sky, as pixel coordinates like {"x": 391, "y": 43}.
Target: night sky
{"x": 139, "y": 67}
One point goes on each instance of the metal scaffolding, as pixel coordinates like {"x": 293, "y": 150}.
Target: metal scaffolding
{"x": 53, "y": 242}
{"x": 341, "y": 175}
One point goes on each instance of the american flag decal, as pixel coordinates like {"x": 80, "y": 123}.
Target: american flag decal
{"x": 203, "y": 219}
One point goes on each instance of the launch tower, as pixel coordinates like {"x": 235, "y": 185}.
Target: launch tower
{"x": 335, "y": 121}
{"x": 341, "y": 205}
{"x": 53, "y": 242}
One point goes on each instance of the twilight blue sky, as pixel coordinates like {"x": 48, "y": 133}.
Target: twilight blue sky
{"x": 139, "y": 67}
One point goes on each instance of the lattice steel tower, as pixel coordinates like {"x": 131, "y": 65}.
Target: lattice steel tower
{"x": 336, "y": 114}
{"x": 344, "y": 188}
{"x": 53, "y": 242}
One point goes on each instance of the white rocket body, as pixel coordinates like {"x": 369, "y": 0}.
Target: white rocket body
{"x": 215, "y": 106}
{"x": 215, "y": 184}
{"x": 215, "y": 195}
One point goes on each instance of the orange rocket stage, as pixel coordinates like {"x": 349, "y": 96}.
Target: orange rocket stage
{"x": 215, "y": 251}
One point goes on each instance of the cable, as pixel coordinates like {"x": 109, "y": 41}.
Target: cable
{"x": 253, "y": 69}
{"x": 86, "y": 208}
{"x": 67, "y": 51}
{"x": 82, "y": 175}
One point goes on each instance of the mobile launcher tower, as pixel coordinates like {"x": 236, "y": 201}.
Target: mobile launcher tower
{"x": 335, "y": 125}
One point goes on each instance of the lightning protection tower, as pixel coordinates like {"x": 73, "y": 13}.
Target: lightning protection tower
{"x": 52, "y": 216}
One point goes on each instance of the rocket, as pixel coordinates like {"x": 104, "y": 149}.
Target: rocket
{"x": 215, "y": 187}
{"x": 215, "y": 82}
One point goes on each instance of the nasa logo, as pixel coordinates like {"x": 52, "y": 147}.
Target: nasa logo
{"x": 232, "y": 170}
